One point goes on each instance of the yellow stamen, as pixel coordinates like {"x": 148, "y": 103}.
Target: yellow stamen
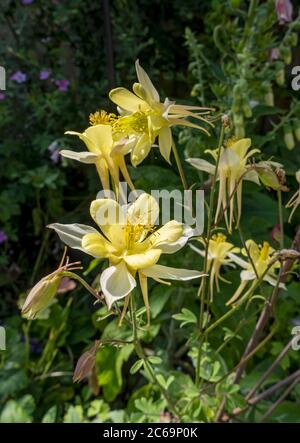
{"x": 102, "y": 118}
{"x": 264, "y": 252}
{"x": 135, "y": 123}
{"x": 219, "y": 238}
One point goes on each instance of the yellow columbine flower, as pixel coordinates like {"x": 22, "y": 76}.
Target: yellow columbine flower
{"x": 261, "y": 256}
{"x": 145, "y": 117}
{"x": 294, "y": 202}
{"x": 103, "y": 152}
{"x": 218, "y": 255}
{"x": 130, "y": 243}
{"x": 232, "y": 170}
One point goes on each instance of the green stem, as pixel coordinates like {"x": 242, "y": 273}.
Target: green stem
{"x": 142, "y": 355}
{"x": 39, "y": 257}
{"x": 280, "y": 219}
{"x": 81, "y": 281}
{"x": 202, "y": 287}
{"x": 242, "y": 300}
{"x": 179, "y": 166}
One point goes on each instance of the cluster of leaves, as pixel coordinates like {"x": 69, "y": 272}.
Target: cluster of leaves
{"x": 229, "y": 68}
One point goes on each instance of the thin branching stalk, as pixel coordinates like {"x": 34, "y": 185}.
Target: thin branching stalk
{"x": 179, "y": 166}
{"x": 202, "y": 287}
{"x": 142, "y": 355}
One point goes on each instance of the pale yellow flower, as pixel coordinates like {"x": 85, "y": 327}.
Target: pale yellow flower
{"x": 232, "y": 170}
{"x": 103, "y": 152}
{"x": 218, "y": 256}
{"x": 144, "y": 117}
{"x": 261, "y": 256}
{"x": 294, "y": 202}
{"x": 130, "y": 243}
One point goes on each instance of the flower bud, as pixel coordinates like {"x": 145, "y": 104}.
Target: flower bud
{"x": 247, "y": 111}
{"x": 269, "y": 178}
{"x": 286, "y": 54}
{"x": 297, "y": 130}
{"x": 289, "y": 138}
{"x": 41, "y": 295}
{"x": 269, "y": 97}
{"x": 280, "y": 74}
{"x": 86, "y": 363}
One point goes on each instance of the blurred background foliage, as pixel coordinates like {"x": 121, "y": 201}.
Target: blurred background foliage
{"x": 61, "y": 59}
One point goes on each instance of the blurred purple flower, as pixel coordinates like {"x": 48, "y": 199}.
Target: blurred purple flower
{"x": 62, "y": 85}
{"x": 44, "y": 75}
{"x": 55, "y": 155}
{"x": 3, "y": 237}
{"x": 26, "y": 2}
{"x": 19, "y": 77}
{"x": 284, "y": 9}
{"x": 274, "y": 54}
{"x": 2, "y": 96}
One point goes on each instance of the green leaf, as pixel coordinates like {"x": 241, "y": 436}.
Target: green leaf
{"x": 155, "y": 360}
{"x": 74, "y": 415}
{"x": 136, "y": 366}
{"x": 50, "y": 415}
{"x": 185, "y": 316}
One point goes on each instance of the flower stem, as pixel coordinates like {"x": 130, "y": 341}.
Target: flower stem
{"x": 142, "y": 355}
{"x": 81, "y": 281}
{"x": 280, "y": 219}
{"x": 179, "y": 166}
{"x": 202, "y": 287}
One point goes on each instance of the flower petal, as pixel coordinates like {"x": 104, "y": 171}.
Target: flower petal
{"x": 97, "y": 246}
{"x": 126, "y": 99}
{"x": 146, "y": 82}
{"x": 109, "y": 216}
{"x": 165, "y": 142}
{"x": 141, "y": 150}
{"x": 202, "y": 165}
{"x": 72, "y": 234}
{"x": 116, "y": 282}
{"x": 144, "y": 211}
{"x": 144, "y": 259}
{"x": 83, "y": 157}
{"x": 101, "y": 137}
{"x": 160, "y": 272}
{"x": 170, "y": 238}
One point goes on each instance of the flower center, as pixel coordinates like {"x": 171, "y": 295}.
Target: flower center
{"x": 264, "y": 251}
{"x": 135, "y": 123}
{"x": 136, "y": 233}
{"x": 219, "y": 238}
{"x": 102, "y": 118}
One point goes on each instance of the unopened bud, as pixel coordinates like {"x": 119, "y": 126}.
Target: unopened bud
{"x": 280, "y": 75}
{"x": 247, "y": 111}
{"x": 269, "y": 178}
{"x": 41, "y": 295}
{"x": 269, "y": 98}
{"x": 86, "y": 363}
{"x": 289, "y": 138}
{"x": 297, "y": 130}
{"x": 286, "y": 54}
